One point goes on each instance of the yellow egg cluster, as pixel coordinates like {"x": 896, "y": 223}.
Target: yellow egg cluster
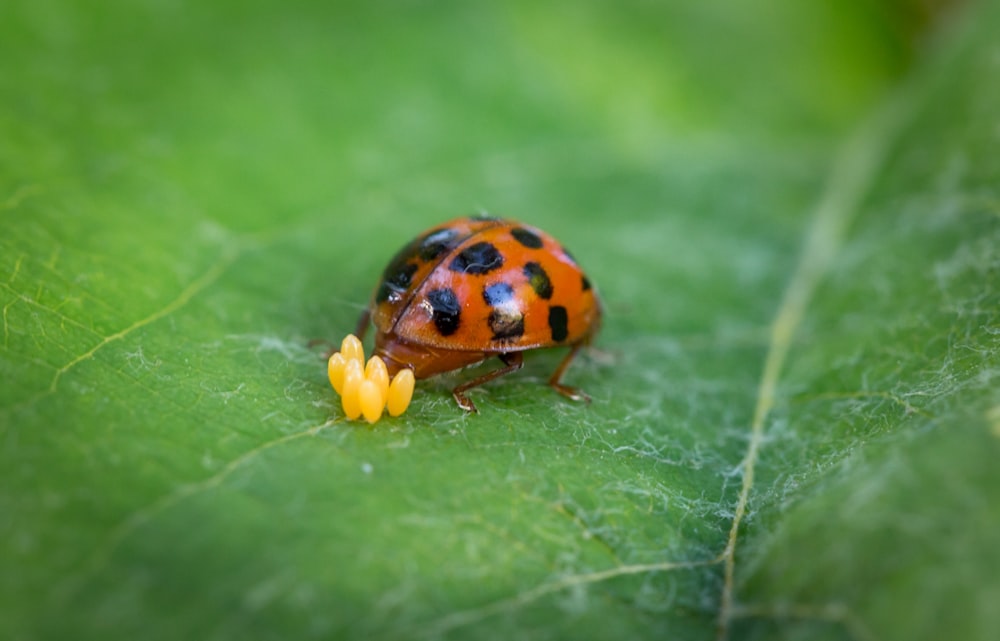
{"x": 365, "y": 390}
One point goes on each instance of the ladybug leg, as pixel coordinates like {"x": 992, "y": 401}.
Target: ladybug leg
{"x": 362, "y": 327}
{"x": 512, "y": 362}
{"x": 572, "y": 393}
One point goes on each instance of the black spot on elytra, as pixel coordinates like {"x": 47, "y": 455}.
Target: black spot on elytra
{"x": 498, "y": 294}
{"x": 446, "y": 310}
{"x": 506, "y": 323}
{"x": 586, "y": 283}
{"x": 539, "y": 280}
{"x": 527, "y": 238}
{"x": 437, "y": 243}
{"x": 558, "y": 321}
{"x": 477, "y": 259}
{"x": 395, "y": 279}
{"x": 506, "y": 320}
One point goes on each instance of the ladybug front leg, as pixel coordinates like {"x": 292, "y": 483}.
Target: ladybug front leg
{"x": 572, "y": 393}
{"x": 512, "y": 362}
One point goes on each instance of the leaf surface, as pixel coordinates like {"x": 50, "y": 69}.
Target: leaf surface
{"x": 792, "y": 223}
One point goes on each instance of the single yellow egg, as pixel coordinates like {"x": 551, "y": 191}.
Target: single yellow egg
{"x": 400, "y": 392}
{"x": 352, "y": 349}
{"x": 371, "y": 400}
{"x": 335, "y": 370}
{"x": 353, "y": 377}
{"x": 376, "y": 372}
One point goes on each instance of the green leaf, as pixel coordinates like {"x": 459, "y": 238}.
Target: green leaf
{"x": 791, "y": 212}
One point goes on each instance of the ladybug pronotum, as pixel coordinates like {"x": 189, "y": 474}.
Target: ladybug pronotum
{"x": 479, "y": 287}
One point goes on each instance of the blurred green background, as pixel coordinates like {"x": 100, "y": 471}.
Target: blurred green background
{"x": 790, "y": 210}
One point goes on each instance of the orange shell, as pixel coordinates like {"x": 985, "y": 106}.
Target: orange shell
{"x": 479, "y": 286}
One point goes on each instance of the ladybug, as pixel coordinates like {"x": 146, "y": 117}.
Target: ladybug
{"x": 478, "y": 287}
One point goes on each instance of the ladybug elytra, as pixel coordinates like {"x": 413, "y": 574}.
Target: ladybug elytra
{"x": 479, "y": 287}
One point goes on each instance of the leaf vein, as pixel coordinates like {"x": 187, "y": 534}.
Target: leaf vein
{"x": 105, "y": 550}
{"x": 474, "y": 615}
{"x": 849, "y": 181}
{"x": 182, "y": 299}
